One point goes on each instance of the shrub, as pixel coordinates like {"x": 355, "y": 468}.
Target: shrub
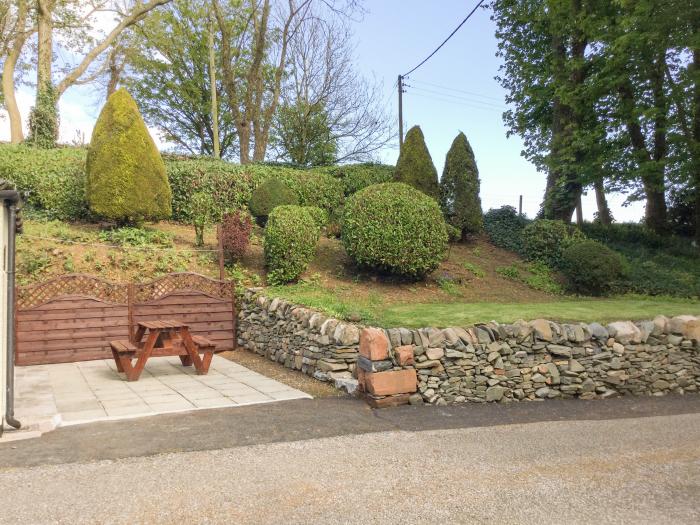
{"x": 394, "y": 228}
{"x": 126, "y": 179}
{"x": 314, "y": 188}
{"x": 592, "y": 268}
{"x": 545, "y": 240}
{"x": 415, "y": 166}
{"x": 505, "y": 227}
{"x": 459, "y": 188}
{"x": 49, "y": 180}
{"x": 230, "y": 185}
{"x": 291, "y": 236}
{"x": 319, "y": 215}
{"x": 269, "y": 195}
{"x": 453, "y": 234}
{"x": 235, "y": 233}
{"x": 202, "y": 214}
{"x": 358, "y": 176}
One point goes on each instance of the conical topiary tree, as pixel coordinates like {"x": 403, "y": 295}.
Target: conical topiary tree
{"x": 126, "y": 179}
{"x": 415, "y": 166}
{"x": 459, "y": 188}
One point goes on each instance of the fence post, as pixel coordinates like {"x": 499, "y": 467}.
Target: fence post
{"x": 220, "y": 243}
{"x": 130, "y": 310}
{"x": 235, "y": 315}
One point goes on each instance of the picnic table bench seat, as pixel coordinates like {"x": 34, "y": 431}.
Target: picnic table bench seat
{"x": 191, "y": 349}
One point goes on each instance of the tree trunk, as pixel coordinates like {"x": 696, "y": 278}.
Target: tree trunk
{"x": 8, "y": 74}
{"x": 604, "y": 215}
{"x": 696, "y": 140}
{"x": 214, "y": 103}
{"x": 45, "y": 44}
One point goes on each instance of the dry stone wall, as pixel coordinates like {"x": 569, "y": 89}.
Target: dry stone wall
{"x": 484, "y": 363}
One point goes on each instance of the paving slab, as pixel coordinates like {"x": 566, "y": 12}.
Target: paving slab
{"x": 68, "y": 394}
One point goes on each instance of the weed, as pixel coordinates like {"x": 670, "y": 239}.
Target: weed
{"x": 129, "y": 236}
{"x": 448, "y": 285}
{"x": 509, "y": 272}
{"x": 478, "y": 272}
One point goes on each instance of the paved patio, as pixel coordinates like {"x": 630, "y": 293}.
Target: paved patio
{"x": 67, "y": 394}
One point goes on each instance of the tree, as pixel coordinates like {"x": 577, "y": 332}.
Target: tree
{"x": 415, "y": 165}
{"x": 169, "y": 70}
{"x": 73, "y": 20}
{"x": 255, "y": 48}
{"x": 459, "y": 188}
{"x": 304, "y": 136}
{"x": 325, "y": 103}
{"x": 126, "y": 179}
{"x": 15, "y": 27}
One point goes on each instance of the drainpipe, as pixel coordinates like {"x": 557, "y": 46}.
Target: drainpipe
{"x": 11, "y": 199}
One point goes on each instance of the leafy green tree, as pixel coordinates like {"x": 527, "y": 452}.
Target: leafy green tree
{"x": 168, "y": 72}
{"x": 459, "y": 188}
{"x": 415, "y": 165}
{"x": 126, "y": 179}
{"x": 304, "y": 134}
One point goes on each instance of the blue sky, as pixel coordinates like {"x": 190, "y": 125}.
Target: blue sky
{"x": 395, "y": 35}
{"x": 454, "y": 91}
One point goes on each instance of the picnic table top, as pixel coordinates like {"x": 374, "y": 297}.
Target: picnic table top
{"x": 163, "y": 324}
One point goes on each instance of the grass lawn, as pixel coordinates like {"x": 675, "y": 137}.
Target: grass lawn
{"x": 563, "y": 310}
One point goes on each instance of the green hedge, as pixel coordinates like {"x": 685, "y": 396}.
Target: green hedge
{"x": 291, "y": 236}
{"x": 52, "y": 180}
{"x": 394, "y": 228}
{"x": 504, "y": 226}
{"x": 356, "y": 177}
{"x": 592, "y": 268}
{"x": 545, "y": 240}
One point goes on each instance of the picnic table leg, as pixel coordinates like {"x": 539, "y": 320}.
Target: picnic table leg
{"x": 186, "y": 360}
{"x": 192, "y": 350}
{"x": 134, "y": 373}
{"x": 117, "y": 361}
{"x": 206, "y": 361}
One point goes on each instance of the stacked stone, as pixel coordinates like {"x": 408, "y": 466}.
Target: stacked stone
{"x": 299, "y": 338}
{"x": 386, "y": 375}
{"x": 485, "y": 363}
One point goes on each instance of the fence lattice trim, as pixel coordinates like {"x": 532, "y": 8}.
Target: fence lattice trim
{"x": 72, "y": 285}
{"x": 176, "y": 282}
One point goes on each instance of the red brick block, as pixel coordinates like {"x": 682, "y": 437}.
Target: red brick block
{"x": 389, "y": 401}
{"x": 374, "y": 345}
{"x": 404, "y": 355}
{"x": 391, "y": 382}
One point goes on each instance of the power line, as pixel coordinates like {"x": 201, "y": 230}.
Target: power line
{"x": 445, "y": 88}
{"x": 445, "y": 41}
{"x": 458, "y": 97}
{"x": 455, "y": 102}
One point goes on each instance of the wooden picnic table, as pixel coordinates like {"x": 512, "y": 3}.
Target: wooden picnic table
{"x": 167, "y": 337}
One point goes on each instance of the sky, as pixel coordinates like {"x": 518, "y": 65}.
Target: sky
{"x": 454, "y": 91}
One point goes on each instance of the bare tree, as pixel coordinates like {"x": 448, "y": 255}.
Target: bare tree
{"x": 323, "y": 78}
{"x": 15, "y": 27}
{"x": 256, "y": 37}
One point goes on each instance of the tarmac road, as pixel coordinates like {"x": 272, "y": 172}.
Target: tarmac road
{"x": 592, "y": 470}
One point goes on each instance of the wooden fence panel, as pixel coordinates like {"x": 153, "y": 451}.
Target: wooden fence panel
{"x": 73, "y": 317}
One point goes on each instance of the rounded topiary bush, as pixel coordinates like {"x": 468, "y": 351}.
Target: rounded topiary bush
{"x": 270, "y": 194}
{"x": 394, "y": 228}
{"x": 504, "y": 226}
{"x": 592, "y": 268}
{"x": 319, "y": 214}
{"x": 291, "y": 236}
{"x": 126, "y": 179}
{"x": 545, "y": 240}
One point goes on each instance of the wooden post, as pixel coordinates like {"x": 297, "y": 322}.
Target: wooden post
{"x": 235, "y": 315}
{"x": 220, "y": 243}
{"x": 520, "y": 206}
{"x": 400, "y": 84}
{"x": 130, "y": 309}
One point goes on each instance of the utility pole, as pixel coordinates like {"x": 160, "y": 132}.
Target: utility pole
{"x": 400, "y": 85}
{"x": 212, "y": 81}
